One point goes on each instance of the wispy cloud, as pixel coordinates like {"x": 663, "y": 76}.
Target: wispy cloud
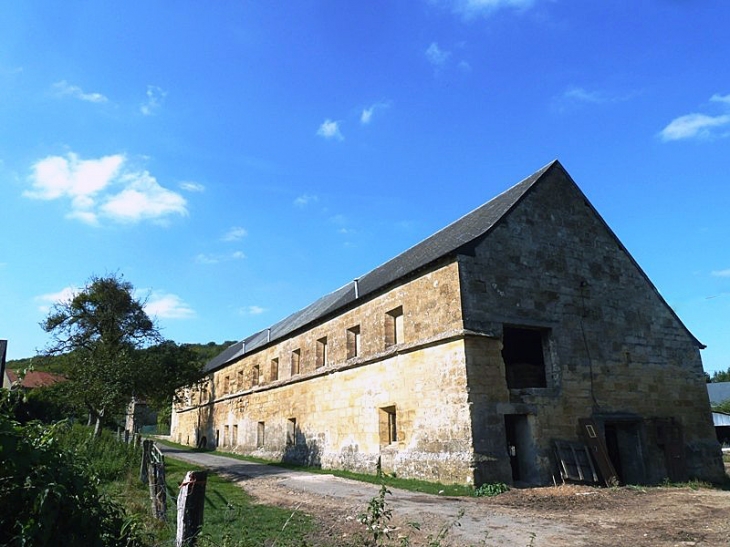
{"x": 698, "y": 125}
{"x": 155, "y": 98}
{"x": 437, "y": 56}
{"x": 192, "y": 187}
{"x": 47, "y": 301}
{"x": 102, "y": 188}
{"x": 251, "y": 310}
{"x": 205, "y": 258}
{"x": 367, "y": 113}
{"x": 330, "y": 130}
{"x": 475, "y": 8}
{"x": 304, "y": 200}
{"x": 582, "y": 95}
{"x": 168, "y": 306}
{"x": 63, "y": 88}
{"x": 235, "y": 234}
{"x": 720, "y": 273}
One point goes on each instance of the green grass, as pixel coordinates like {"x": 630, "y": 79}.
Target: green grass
{"x": 390, "y": 481}
{"x": 232, "y": 519}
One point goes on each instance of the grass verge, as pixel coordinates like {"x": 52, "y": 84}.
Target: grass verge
{"x": 390, "y": 481}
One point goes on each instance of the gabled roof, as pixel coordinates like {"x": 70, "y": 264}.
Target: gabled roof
{"x": 442, "y": 243}
{"x": 447, "y": 241}
{"x": 36, "y": 378}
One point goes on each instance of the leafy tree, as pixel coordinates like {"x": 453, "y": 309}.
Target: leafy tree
{"x": 100, "y": 328}
{"x": 166, "y": 367}
{"x": 721, "y": 376}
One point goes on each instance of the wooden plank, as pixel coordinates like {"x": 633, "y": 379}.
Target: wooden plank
{"x": 598, "y": 450}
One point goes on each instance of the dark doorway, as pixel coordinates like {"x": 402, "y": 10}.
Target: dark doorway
{"x": 520, "y": 447}
{"x": 624, "y": 447}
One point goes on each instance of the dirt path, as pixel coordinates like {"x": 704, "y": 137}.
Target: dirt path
{"x": 564, "y": 516}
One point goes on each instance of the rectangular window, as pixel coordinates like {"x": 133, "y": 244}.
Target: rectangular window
{"x": 296, "y": 357}
{"x": 394, "y": 327}
{"x": 255, "y": 375}
{"x": 225, "y": 435}
{"x": 226, "y": 385}
{"x": 353, "y": 342}
{"x": 291, "y": 431}
{"x": 234, "y": 438}
{"x": 239, "y": 382}
{"x": 321, "y": 352}
{"x": 388, "y": 425}
{"x": 524, "y": 357}
{"x": 260, "y": 431}
{"x": 274, "y": 369}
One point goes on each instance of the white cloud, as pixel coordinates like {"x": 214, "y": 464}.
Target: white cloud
{"x": 102, "y": 188}
{"x": 46, "y": 301}
{"x": 143, "y": 198}
{"x": 192, "y": 187}
{"x": 64, "y": 88}
{"x": 234, "y": 234}
{"x": 721, "y": 273}
{"x": 580, "y": 94}
{"x": 252, "y": 310}
{"x": 693, "y": 125}
{"x": 168, "y": 306}
{"x": 473, "y": 8}
{"x": 698, "y": 125}
{"x": 716, "y": 98}
{"x": 304, "y": 200}
{"x": 367, "y": 113}
{"x": 330, "y": 130}
{"x": 436, "y": 56}
{"x": 204, "y": 258}
{"x": 155, "y": 98}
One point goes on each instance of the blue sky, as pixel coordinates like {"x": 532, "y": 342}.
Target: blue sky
{"x": 237, "y": 160}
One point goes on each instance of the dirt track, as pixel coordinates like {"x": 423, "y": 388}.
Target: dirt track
{"x": 564, "y": 516}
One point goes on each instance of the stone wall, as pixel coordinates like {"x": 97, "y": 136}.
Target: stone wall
{"x": 614, "y": 350}
{"x": 336, "y": 411}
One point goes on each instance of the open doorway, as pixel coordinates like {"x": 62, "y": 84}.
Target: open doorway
{"x": 623, "y": 444}
{"x": 520, "y": 448}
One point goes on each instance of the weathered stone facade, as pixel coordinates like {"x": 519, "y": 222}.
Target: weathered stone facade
{"x": 473, "y": 352}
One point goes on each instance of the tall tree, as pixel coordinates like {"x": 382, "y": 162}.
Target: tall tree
{"x": 101, "y": 327}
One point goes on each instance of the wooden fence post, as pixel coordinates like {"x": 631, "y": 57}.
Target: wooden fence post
{"x": 158, "y": 494}
{"x": 146, "y": 458}
{"x": 190, "y": 502}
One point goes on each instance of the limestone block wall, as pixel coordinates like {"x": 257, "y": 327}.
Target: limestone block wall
{"x": 336, "y": 413}
{"x": 613, "y": 349}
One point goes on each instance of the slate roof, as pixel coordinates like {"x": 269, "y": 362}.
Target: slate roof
{"x": 442, "y": 243}
{"x": 719, "y": 392}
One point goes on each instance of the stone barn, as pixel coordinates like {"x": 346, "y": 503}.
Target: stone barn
{"x": 472, "y": 355}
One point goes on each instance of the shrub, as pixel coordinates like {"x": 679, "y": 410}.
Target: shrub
{"x": 49, "y": 497}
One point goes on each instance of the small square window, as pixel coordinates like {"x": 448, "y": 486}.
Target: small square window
{"x": 353, "y": 342}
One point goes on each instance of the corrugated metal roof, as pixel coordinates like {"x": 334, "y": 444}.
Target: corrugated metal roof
{"x": 444, "y": 242}
{"x": 720, "y": 419}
